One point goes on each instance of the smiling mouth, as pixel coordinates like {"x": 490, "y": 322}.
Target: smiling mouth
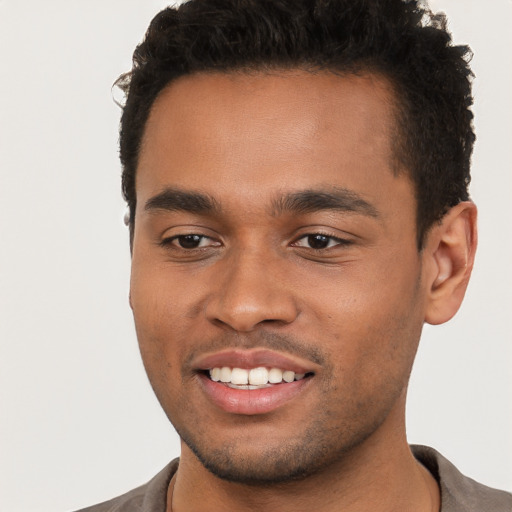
{"x": 253, "y": 378}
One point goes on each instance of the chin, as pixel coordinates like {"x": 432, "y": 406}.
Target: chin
{"x": 292, "y": 460}
{"x": 262, "y": 469}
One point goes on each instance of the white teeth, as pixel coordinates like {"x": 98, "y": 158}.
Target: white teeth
{"x": 239, "y": 376}
{"x": 225, "y": 374}
{"x": 275, "y": 376}
{"x": 288, "y": 376}
{"x": 258, "y": 376}
{"x": 254, "y": 378}
{"x": 245, "y": 386}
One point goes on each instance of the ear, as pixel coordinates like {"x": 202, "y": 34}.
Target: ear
{"x": 450, "y": 252}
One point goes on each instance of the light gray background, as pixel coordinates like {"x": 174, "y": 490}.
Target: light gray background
{"x": 78, "y": 420}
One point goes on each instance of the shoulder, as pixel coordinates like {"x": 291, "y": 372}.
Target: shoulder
{"x": 458, "y": 492}
{"x": 150, "y": 497}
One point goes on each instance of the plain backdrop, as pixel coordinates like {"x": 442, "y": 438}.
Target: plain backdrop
{"x": 78, "y": 420}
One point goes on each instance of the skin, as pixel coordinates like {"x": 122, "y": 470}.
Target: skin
{"x": 351, "y": 312}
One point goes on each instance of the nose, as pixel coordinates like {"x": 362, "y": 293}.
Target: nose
{"x": 250, "y": 291}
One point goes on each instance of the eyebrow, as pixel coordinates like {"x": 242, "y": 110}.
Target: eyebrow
{"x": 310, "y": 201}
{"x": 172, "y": 199}
{"x": 302, "y": 202}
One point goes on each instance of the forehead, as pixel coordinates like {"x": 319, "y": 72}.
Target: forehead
{"x": 280, "y": 130}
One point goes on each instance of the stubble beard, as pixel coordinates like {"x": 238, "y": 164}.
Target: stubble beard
{"x": 325, "y": 439}
{"x": 317, "y": 449}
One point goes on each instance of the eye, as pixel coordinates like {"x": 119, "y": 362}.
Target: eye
{"x": 319, "y": 241}
{"x": 189, "y": 241}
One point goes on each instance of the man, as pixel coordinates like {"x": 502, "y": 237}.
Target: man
{"x": 296, "y": 174}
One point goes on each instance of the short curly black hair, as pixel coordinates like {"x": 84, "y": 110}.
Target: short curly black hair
{"x": 399, "y": 39}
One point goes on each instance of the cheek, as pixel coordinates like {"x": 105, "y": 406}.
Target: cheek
{"x": 373, "y": 319}
{"x": 156, "y": 315}
{"x": 157, "y": 297}
{"x": 158, "y": 304}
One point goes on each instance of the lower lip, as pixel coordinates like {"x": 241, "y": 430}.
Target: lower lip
{"x": 251, "y": 401}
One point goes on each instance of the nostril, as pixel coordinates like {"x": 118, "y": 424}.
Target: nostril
{"x": 242, "y": 303}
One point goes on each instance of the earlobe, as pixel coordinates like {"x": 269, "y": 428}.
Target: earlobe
{"x": 450, "y": 249}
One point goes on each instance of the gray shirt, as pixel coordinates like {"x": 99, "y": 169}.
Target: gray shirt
{"x": 458, "y": 492}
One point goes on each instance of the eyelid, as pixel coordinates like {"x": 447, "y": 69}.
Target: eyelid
{"x": 339, "y": 240}
{"x": 168, "y": 241}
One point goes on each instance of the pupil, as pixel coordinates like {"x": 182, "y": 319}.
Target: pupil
{"x": 318, "y": 241}
{"x": 189, "y": 241}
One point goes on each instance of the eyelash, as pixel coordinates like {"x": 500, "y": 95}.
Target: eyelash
{"x": 339, "y": 242}
{"x": 168, "y": 242}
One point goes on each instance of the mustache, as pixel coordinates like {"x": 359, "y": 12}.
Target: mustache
{"x": 262, "y": 340}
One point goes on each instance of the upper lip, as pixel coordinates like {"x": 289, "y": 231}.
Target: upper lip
{"x": 253, "y": 359}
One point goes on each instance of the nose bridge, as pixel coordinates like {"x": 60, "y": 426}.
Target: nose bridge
{"x": 251, "y": 290}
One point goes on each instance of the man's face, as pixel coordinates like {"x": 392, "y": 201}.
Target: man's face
{"x": 271, "y": 232}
